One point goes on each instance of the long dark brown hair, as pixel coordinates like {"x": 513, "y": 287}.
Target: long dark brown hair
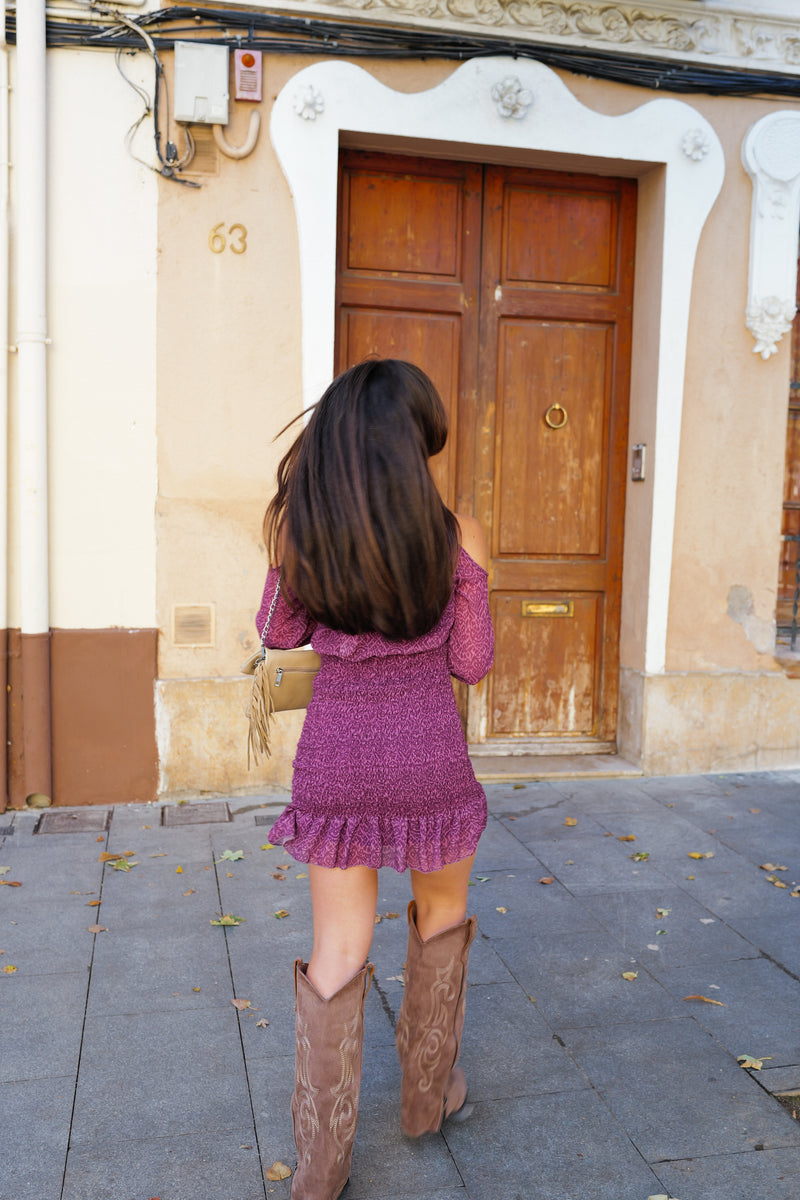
{"x": 363, "y": 537}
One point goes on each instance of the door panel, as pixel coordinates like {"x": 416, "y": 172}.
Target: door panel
{"x": 431, "y": 340}
{"x": 573, "y": 237}
{"x": 513, "y": 289}
{"x": 407, "y": 280}
{"x": 550, "y": 478}
{"x": 549, "y": 684}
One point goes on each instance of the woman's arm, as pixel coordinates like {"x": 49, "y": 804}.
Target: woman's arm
{"x": 290, "y": 625}
{"x": 470, "y": 649}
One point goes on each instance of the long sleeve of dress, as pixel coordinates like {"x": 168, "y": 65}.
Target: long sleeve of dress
{"x": 291, "y": 625}
{"x": 470, "y": 649}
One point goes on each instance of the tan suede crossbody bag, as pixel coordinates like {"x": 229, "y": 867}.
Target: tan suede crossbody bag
{"x": 282, "y": 680}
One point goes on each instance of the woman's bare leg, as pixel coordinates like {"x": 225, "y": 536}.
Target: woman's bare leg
{"x": 344, "y": 904}
{"x": 441, "y": 897}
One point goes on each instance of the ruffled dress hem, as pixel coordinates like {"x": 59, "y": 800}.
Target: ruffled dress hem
{"x": 420, "y": 842}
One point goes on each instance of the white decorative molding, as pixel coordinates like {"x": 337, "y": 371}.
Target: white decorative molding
{"x": 724, "y": 35}
{"x": 511, "y": 98}
{"x": 460, "y": 112}
{"x": 771, "y": 157}
{"x": 695, "y": 145}
{"x": 308, "y": 103}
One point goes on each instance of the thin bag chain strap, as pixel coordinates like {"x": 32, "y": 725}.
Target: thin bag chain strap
{"x": 265, "y": 630}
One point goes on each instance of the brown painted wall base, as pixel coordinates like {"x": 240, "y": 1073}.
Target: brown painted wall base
{"x": 102, "y": 716}
{"x": 104, "y": 732}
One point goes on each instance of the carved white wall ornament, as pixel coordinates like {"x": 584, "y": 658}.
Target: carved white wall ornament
{"x": 511, "y": 98}
{"x": 768, "y": 320}
{"x": 667, "y": 29}
{"x": 771, "y": 157}
{"x": 308, "y": 103}
{"x": 458, "y": 112}
{"x": 695, "y": 145}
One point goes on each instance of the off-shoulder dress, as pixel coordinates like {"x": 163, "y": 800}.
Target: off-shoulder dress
{"x": 382, "y": 776}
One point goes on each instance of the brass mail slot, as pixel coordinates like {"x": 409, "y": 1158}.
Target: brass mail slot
{"x": 548, "y": 608}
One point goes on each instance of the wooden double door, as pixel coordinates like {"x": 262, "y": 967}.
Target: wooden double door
{"x": 512, "y": 289}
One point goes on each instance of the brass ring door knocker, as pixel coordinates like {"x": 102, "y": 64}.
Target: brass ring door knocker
{"x": 556, "y": 416}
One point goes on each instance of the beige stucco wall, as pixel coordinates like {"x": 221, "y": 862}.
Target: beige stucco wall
{"x": 229, "y": 378}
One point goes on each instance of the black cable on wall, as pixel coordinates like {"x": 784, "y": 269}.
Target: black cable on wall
{"x": 276, "y": 34}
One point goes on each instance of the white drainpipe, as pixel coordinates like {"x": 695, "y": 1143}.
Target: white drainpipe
{"x": 31, "y": 339}
{"x": 3, "y": 323}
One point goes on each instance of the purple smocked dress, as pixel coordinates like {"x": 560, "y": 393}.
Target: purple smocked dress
{"x": 382, "y": 777}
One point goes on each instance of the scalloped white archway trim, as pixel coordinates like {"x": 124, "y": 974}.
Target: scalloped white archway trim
{"x": 329, "y": 98}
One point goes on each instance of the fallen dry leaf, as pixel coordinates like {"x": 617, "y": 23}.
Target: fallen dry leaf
{"x": 749, "y": 1063}
{"x": 502, "y": 910}
{"x": 281, "y": 913}
{"x": 93, "y": 904}
{"x": 755, "y": 810}
{"x": 663, "y": 912}
{"x": 772, "y": 867}
{"x": 640, "y": 856}
{"x": 100, "y": 838}
{"x": 97, "y": 928}
{"x": 630, "y": 975}
{"x": 179, "y": 870}
{"x": 9, "y": 970}
{"x": 189, "y": 893}
{"x": 391, "y": 916}
{"x": 278, "y": 875}
{"x": 571, "y": 821}
{"x": 262, "y": 1024}
{"x": 705, "y": 999}
{"x": 268, "y": 846}
{"x": 241, "y": 1004}
{"x": 228, "y": 919}
{"x": 283, "y": 866}
{"x": 160, "y": 854}
{"x": 697, "y": 854}
{"x": 106, "y": 857}
{"x": 775, "y": 882}
{"x": 626, "y": 837}
{"x": 10, "y": 883}
{"x": 4, "y": 870}
{"x": 230, "y": 856}
{"x": 278, "y": 1170}
{"x": 378, "y": 919}
{"x": 302, "y": 875}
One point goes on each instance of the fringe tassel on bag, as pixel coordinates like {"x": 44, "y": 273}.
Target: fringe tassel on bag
{"x": 260, "y": 710}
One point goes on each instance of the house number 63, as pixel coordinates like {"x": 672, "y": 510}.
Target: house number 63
{"x": 217, "y": 241}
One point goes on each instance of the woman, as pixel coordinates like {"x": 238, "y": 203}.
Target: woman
{"x": 390, "y": 588}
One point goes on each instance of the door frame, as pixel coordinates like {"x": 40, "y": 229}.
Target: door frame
{"x": 337, "y": 103}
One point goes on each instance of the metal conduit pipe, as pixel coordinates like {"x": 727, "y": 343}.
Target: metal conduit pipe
{"x": 31, "y": 341}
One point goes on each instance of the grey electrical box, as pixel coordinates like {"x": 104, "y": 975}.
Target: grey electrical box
{"x": 637, "y": 462}
{"x": 201, "y": 83}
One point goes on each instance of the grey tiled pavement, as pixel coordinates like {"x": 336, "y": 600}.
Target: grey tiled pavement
{"x": 126, "y": 1073}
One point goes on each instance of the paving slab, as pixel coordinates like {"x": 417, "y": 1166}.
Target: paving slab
{"x": 685, "y": 932}
{"x": 383, "y": 1158}
{"x": 563, "y": 1145}
{"x": 218, "y": 1164}
{"x": 517, "y": 903}
{"x": 576, "y": 979}
{"x": 159, "y": 1074}
{"x": 724, "y": 1111}
{"x": 33, "y": 1152}
{"x": 520, "y": 1057}
{"x": 41, "y": 1024}
{"x": 592, "y": 865}
{"x": 758, "y": 1009}
{"x": 769, "y": 1174}
{"x": 777, "y": 937}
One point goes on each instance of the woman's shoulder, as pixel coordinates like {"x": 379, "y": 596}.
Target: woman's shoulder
{"x": 473, "y": 540}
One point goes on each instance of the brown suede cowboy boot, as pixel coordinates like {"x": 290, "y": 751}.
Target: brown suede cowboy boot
{"x": 327, "y": 1082}
{"x": 430, "y": 1024}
